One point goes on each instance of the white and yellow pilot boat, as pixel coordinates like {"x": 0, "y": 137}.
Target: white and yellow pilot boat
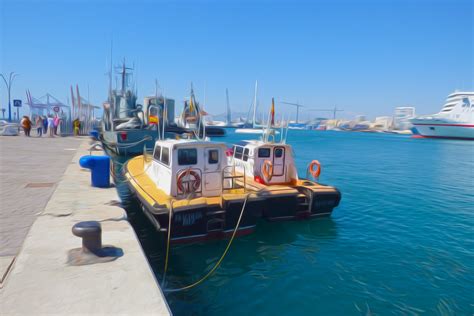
{"x": 270, "y": 167}
{"x": 199, "y": 191}
{"x": 192, "y": 181}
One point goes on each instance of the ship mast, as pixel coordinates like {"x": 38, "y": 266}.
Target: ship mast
{"x": 255, "y": 105}
{"x": 229, "y": 116}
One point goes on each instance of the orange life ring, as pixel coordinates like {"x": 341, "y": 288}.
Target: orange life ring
{"x": 196, "y": 183}
{"x": 314, "y": 172}
{"x": 267, "y": 170}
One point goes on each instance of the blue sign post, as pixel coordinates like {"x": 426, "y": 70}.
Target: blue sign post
{"x": 17, "y": 104}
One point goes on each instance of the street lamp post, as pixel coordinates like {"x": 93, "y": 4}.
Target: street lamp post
{"x": 8, "y": 84}
{"x": 3, "y": 113}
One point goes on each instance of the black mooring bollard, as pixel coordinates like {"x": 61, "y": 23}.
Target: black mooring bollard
{"x": 91, "y": 234}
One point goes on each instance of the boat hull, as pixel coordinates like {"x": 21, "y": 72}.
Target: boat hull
{"x": 193, "y": 219}
{"x": 445, "y": 130}
{"x": 127, "y": 142}
{"x": 310, "y": 200}
{"x": 203, "y": 223}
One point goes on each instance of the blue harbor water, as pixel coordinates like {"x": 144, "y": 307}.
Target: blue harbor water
{"x": 401, "y": 242}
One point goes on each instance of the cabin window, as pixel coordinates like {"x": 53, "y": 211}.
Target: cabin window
{"x": 187, "y": 156}
{"x": 246, "y": 154}
{"x": 263, "y": 152}
{"x": 278, "y": 152}
{"x": 165, "y": 156}
{"x": 157, "y": 153}
{"x": 238, "y": 152}
{"x": 213, "y": 157}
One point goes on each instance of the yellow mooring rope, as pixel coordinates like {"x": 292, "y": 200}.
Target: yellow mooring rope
{"x": 217, "y": 263}
{"x": 168, "y": 242}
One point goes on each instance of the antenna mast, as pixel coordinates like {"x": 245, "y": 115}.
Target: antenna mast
{"x": 255, "y": 105}
{"x": 229, "y": 115}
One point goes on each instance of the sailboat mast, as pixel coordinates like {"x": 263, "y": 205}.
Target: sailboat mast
{"x": 123, "y": 78}
{"x": 229, "y": 115}
{"x": 110, "y": 72}
{"x": 255, "y": 105}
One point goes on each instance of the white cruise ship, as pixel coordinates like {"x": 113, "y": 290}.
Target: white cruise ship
{"x": 455, "y": 120}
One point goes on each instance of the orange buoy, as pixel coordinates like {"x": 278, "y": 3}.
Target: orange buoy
{"x": 315, "y": 168}
{"x": 267, "y": 170}
{"x": 195, "y": 181}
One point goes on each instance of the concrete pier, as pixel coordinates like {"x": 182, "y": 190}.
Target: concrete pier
{"x": 30, "y": 169}
{"x": 41, "y": 281}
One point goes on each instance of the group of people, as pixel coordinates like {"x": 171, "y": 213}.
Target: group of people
{"x": 43, "y": 124}
{"x": 47, "y": 125}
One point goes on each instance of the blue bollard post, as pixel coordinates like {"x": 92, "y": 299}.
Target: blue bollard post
{"x": 94, "y": 134}
{"x": 100, "y": 169}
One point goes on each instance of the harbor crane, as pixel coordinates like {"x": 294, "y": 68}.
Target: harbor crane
{"x": 298, "y": 106}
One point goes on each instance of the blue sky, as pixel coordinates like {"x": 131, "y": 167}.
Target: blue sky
{"x": 363, "y": 56}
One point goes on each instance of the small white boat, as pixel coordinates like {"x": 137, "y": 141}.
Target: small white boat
{"x": 269, "y": 166}
{"x": 9, "y": 129}
{"x": 255, "y": 131}
{"x": 188, "y": 184}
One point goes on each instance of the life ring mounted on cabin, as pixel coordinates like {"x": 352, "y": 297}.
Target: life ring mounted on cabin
{"x": 267, "y": 170}
{"x": 314, "y": 169}
{"x": 193, "y": 182}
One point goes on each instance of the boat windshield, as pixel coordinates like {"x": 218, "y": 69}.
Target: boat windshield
{"x": 187, "y": 156}
{"x": 263, "y": 152}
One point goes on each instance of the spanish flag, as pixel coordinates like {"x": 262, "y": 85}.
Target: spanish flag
{"x": 153, "y": 120}
{"x": 191, "y": 104}
{"x": 272, "y": 112}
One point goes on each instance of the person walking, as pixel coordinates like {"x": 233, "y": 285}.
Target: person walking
{"x": 51, "y": 126}
{"x": 26, "y": 124}
{"x": 39, "y": 126}
{"x": 45, "y": 124}
{"x": 56, "y": 124}
{"x": 77, "y": 126}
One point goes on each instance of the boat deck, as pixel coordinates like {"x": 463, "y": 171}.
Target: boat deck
{"x": 284, "y": 189}
{"x": 162, "y": 201}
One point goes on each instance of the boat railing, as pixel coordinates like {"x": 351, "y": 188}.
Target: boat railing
{"x": 230, "y": 176}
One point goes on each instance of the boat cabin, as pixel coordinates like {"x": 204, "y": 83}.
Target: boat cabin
{"x": 266, "y": 163}
{"x": 183, "y": 167}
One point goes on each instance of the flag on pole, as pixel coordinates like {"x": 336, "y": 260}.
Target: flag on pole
{"x": 191, "y": 104}
{"x": 272, "y": 112}
{"x": 165, "y": 111}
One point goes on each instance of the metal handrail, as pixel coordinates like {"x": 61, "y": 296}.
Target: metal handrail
{"x": 233, "y": 177}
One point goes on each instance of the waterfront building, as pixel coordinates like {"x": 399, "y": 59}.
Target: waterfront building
{"x": 402, "y": 116}
{"x": 382, "y": 123}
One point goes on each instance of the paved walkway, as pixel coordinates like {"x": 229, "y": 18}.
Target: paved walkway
{"x": 30, "y": 168}
{"x": 43, "y": 279}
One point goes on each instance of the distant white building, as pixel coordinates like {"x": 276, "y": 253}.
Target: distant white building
{"x": 402, "y": 116}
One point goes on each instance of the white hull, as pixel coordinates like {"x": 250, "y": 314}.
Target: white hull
{"x": 9, "y": 129}
{"x": 255, "y": 131}
{"x": 216, "y": 123}
{"x": 455, "y": 120}
{"x": 440, "y": 130}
